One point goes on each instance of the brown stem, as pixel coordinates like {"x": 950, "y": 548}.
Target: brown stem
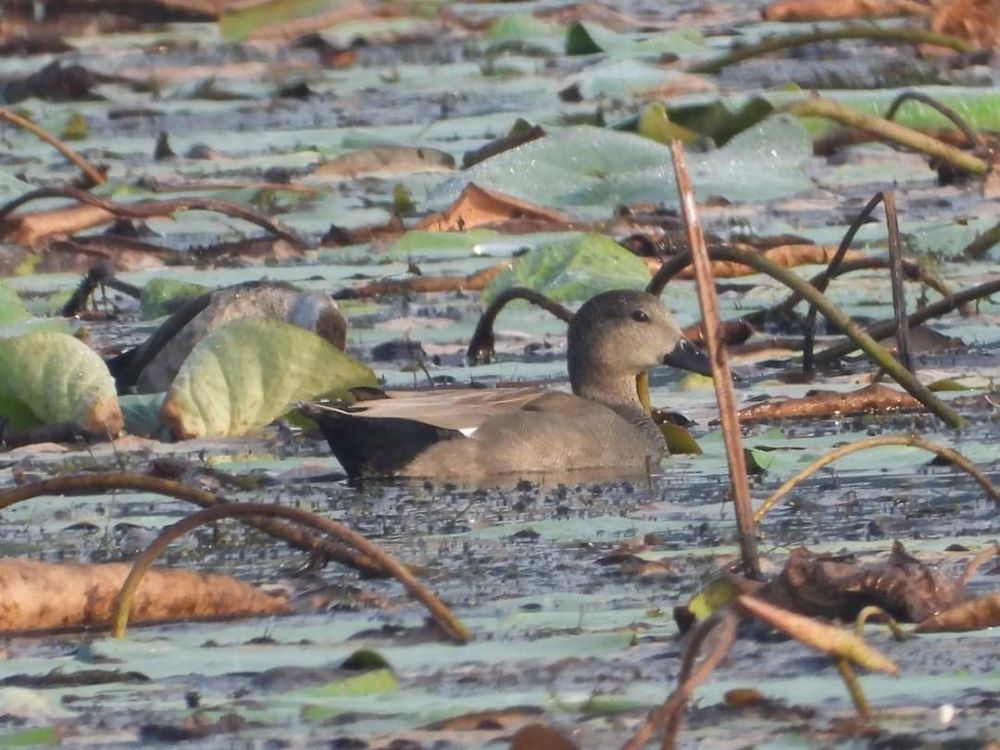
{"x": 978, "y": 560}
{"x": 344, "y": 536}
{"x": 853, "y": 687}
{"x": 93, "y": 174}
{"x": 977, "y": 249}
{"x": 481, "y": 345}
{"x": 915, "y": 441}
{"x": 722, "y": 375}
{"x": 150, "y": 209}
{"x": 872, "y": 611}
{"x": 106, "y": 481}
{"x": 474, "y": 282}
{"x": 896, "y": 280}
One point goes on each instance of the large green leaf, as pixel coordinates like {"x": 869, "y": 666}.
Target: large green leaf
{"x": 586, "y": 166}
{"x": 585, "y": 38}
{"x": 251, "y": 371}
{"x": 52, "y": 378}
{"x": 573, "y": 270}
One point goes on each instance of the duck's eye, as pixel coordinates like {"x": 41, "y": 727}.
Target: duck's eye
{"x": 640, "y": 316}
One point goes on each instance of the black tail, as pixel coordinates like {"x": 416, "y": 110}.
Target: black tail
{"x": 374, "y": 446}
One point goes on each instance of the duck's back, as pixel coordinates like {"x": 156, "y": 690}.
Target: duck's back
{"x": 555, "y": 432}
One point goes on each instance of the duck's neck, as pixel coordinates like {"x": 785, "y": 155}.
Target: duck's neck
{"x": 617, "y": 392}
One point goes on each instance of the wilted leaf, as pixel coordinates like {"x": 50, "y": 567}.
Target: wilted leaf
{"x": 477, "y": 207}
{"x": 837, "y": 586}
{"x": 52, "y": 378}
{"x": 975, "y": 614}
{"x": 679, "y": 440}
{"x": 251, "y": 371}
{"x": 383, "y": 161}
{"x": 655, "y": 124}
{"x": 829, "y": 639}
{"x": 575, "y": 269}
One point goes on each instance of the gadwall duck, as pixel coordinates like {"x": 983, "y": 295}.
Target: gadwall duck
{"x": 612, "y": 338}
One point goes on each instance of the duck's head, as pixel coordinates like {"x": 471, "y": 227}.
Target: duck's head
{"x": 621, "y": 334}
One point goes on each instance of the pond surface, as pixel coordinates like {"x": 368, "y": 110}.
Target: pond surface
{"x": 561, "y": 633}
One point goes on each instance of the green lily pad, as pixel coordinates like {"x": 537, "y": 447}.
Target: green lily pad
{"x": 576, "y": 269}
{"x": 141, "y": 412}
{"x": 419, "y": 244}
{"x": 718, "y": 121}
{"x": 239, "y": 24}
{"x": 34, "y": 737}
{"x": 585, "y": 166}
{"x": 518, "y": 26}
{"x": 12, "y": 310}
{"x": 52, "y": 378}
{"x": 249, "y": 372}
{"x": 162, "y": 295}
{"x": 585, "y": 38}
{"x": 655, "y": 124}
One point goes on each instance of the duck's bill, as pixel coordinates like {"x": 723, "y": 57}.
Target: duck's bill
{"x": 688, "y": 356}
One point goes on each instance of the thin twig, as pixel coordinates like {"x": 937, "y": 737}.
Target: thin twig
{"x": 896, "y": 281}
{"x": 151, "y": 209}
{"x": 853, "y": 31}
{"x": 93, "y": 174}
{"x": 722, "y": 376}
{"x": 887, "y": 130}
{"x": 977, "y": 249}
{"x": 349, "y": 538}
{"x": 106, "y": 481}
{"x": 823, "y": 280}
{"x": 977, "y": 561}
{"x": 914, "y": 441}
{"x": 975, "y": 141}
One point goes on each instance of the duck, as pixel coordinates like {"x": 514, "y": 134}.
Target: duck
{"x": 614, "y": 337}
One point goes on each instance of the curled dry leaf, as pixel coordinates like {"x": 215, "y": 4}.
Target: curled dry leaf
{"x": 818, "y": 404}
{"x": 788, "y": 256}
{"x": 975, "y": 614}
{"x": 383, "y": 161}
{"x": 837, "y": 586}
{"x": 829, "y": 639}
{"x": 477, "y": 207}
{"x": 540, "y": 737}
{"x": 44, "y": 596}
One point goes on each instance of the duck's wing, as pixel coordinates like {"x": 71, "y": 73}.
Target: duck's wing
{"x": 462, "y": 409}
{"x": 374, "y": 447}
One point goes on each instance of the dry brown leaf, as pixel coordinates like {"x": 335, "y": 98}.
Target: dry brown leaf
{"x": 474, "y": 282}
{"x": 29, "y": 229}
{"x": 975, "y": 614}
{"x": 477, "y": 207}
{"x": 540, "y": 737}
{"x": 44, "y": 596}
{"x": 828, "y": 639}
{"x": 788, "y": 256}
{"x": 975, "y": 20}
{"x": 818, "y": 404}
{"x": 827, "y": 10}
{"x": 500, "y": 718}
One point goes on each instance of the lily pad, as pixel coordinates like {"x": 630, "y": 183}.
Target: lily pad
{"x": 11, "y": 308}
{"x": 251, "y": 371}
{"x": 584, "y": 38}
{"x": 52, "y": 378}
{"x": 576, "y": 269}
{"x": 586, "y": 166}
{"x": 163, "y": 295}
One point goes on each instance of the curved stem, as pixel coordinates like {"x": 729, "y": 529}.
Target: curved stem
{"x": 150, "y": 209}
{"x": 914, "y": 441}
{"x": 105, "y": 481}
{"x": 872, "y": 611}
{"x": 859, "y": 338}
{"x": 975, "y": 141}
{"x": 352, "y": 539}
{"x": 89, "y": 171}
{"x": 778, "y": 43}
{"x": 481, "y": 345}
{"x": 888, "y": 130}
